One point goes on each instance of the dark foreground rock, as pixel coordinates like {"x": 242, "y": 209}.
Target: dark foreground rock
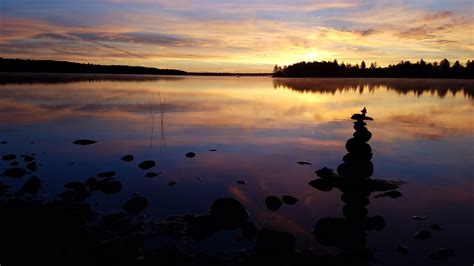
{"x": 274, "y": 243}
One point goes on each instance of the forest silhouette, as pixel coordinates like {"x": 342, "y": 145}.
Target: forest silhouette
{"x": 404, "y": 69}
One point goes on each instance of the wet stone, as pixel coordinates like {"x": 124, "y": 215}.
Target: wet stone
{"x": 109, "y": 187}
{"x": 441, "y": 253}
{"x": 3, "y": 142}
{"x": 127, "y": 158}
{"x": 325, "y": 173}
{"x": 14, "y": 164}
{"x": 152, "y": 174}
{"x": 84, "y": 142}
{"x": 436, "y": 227}
{"x": 419, "y": 218}
{"x": 32, "y": 166}
{"x": 31, "y": 186}
{"x": 145, "y": 165}
{"x": 391, "y": 194}
{"x": 402, "y": 249}
{"x": 212, "y": 150}
{"x": 136, "y": 205}
{"x": 290, "y": 200}
{"x": 190, "y": 155}
{"x": 242, "y": 182}
{"x": 321, "y": 184}
{"x": 304, "y": 163}
{"x": 422, "y": 235}
{"x": 171, "y": 183}
{"x": 273, "y": 203}
{"x": 9, "y": 157}
{"x": 228, "y": 212}
{"x": 28, "y": 158}
{"x": 15, "y": 172}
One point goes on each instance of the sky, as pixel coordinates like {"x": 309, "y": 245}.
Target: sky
{"x": 236, "y": 36}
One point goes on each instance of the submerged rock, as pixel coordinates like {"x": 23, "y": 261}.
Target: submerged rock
{"x": 228, "y": 213}
{"x": 84, "y": 142}
{"x": 274, "y": 243}
{"x": 290, "y": 200}
{"x": 152, "y": 174}
{"x": 212, "y": 150}
{"x": 145, "y": 165}
{"x": 321, "y": 184}
{"x": 15, "y": 172}
{"x": 31, "y": 186}
{"x": 9, "y": 157}
{"x": 32, "y": 166}
{"x": 304, "y": 163}
{"x": 190, "y": 155}
{"x": 242, "y": 182}
{"x": 3, "y": 142}
{"x": 28, "y": 158}
{"x": 402, "y": 249}
{"x": 441, "y": 253}
{"x": 422, "y": 235}
{"x": 109, "y": 187}
{"x": 171, "y": 183}
{"x": 14, "y": 163}
{"x": 391, "y": 194}
{"x": 325, "y": 173}
{"x": 135, "y": 205}
{"x": 273, "y": 203}
{"x": 419, "y": 218}
{"x": 127, "y": 158}
{"x": 435, "y": 227}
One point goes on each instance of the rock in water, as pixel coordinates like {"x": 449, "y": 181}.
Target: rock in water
{"x": 109, "y": 187}
{"x": 152, "y": 174}
{"x": 435, "y": 227}
{"x": 391, "y": 194}
{"x": 145, "y": 165}
{"x": 228, "y": 213}
{"x": 242, "y": 182}
{"x": 273, "y": 203}
{"x": 422, "y": 235}
{"x": 402, "y": 249}
{"x": 325, "y": 173}
{"x": 135, "y": 205}
{"x": 9, "y": 157}
{"x": 28, "y": 158}
{"x": 127, "y": 158}
{"x": 32, "y": 166}
{"x": 84, "y": 142}
{"x": 289, "y": 200}
{"x": 321, "y": 184}
{"x": 442, "y": 253}
{"x": 31, "y": 186}
{"x": 15, "y": 172}
{"x": 190, "y": 155}
{"x": 304, "y": 163}
{"x": 274, "y": 243}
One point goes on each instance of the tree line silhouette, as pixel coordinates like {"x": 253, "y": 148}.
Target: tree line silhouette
{"x": 404, "y": 69}
{"x": 51, "y": 66}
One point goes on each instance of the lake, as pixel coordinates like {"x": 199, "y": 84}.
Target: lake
{"x": 260, "y": 128}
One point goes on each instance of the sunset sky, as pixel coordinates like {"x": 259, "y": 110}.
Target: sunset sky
{"x": 235, "y": 36}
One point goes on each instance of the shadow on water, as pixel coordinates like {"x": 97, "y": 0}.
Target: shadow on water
{"x": 66, "y": 230}
{"x": 401, "y": 86}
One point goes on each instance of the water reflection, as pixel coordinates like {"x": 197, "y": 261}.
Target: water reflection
{"x": 401, "y": 86}
{"x": 260, "y": 134}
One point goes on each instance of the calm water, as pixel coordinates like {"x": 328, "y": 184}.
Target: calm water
{"x": 422, "y": 133}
